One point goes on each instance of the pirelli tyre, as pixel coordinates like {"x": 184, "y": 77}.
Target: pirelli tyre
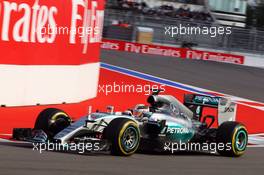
{"x": 124, "y": 136}
{"x": 52, "y": 121}
{"x": 235, "y": 135}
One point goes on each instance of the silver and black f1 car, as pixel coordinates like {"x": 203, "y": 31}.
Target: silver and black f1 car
{"x": 165, "y": 120}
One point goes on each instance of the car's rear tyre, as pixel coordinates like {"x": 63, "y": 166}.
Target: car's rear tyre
{"x": 124, "y": 136}
{"x": 52, "y": 121}
{"x": 234, "y": 134}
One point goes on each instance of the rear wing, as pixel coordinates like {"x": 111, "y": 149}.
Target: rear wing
{"x": 201, "y": 100}
{"x": 226, "y": 108}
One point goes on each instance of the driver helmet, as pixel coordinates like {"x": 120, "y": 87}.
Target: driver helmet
{"x": 139, "y": 110}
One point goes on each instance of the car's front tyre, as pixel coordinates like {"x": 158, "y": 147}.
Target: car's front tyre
{"x": 52, "y": 121}
{"x": 124, "y": 136}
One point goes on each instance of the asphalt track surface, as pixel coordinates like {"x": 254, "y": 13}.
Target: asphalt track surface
{"x": 231, "y": 79}
{"x": 20, "y": 160}
{"x": 241, "y": 81}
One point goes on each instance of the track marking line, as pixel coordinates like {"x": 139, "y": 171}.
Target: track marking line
{"x": 181, "y": 86}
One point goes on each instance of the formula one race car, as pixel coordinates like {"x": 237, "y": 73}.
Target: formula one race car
{"x": 165, "y": 121}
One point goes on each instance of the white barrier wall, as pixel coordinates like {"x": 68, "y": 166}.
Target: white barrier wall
{"x": 254, "y": 61}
